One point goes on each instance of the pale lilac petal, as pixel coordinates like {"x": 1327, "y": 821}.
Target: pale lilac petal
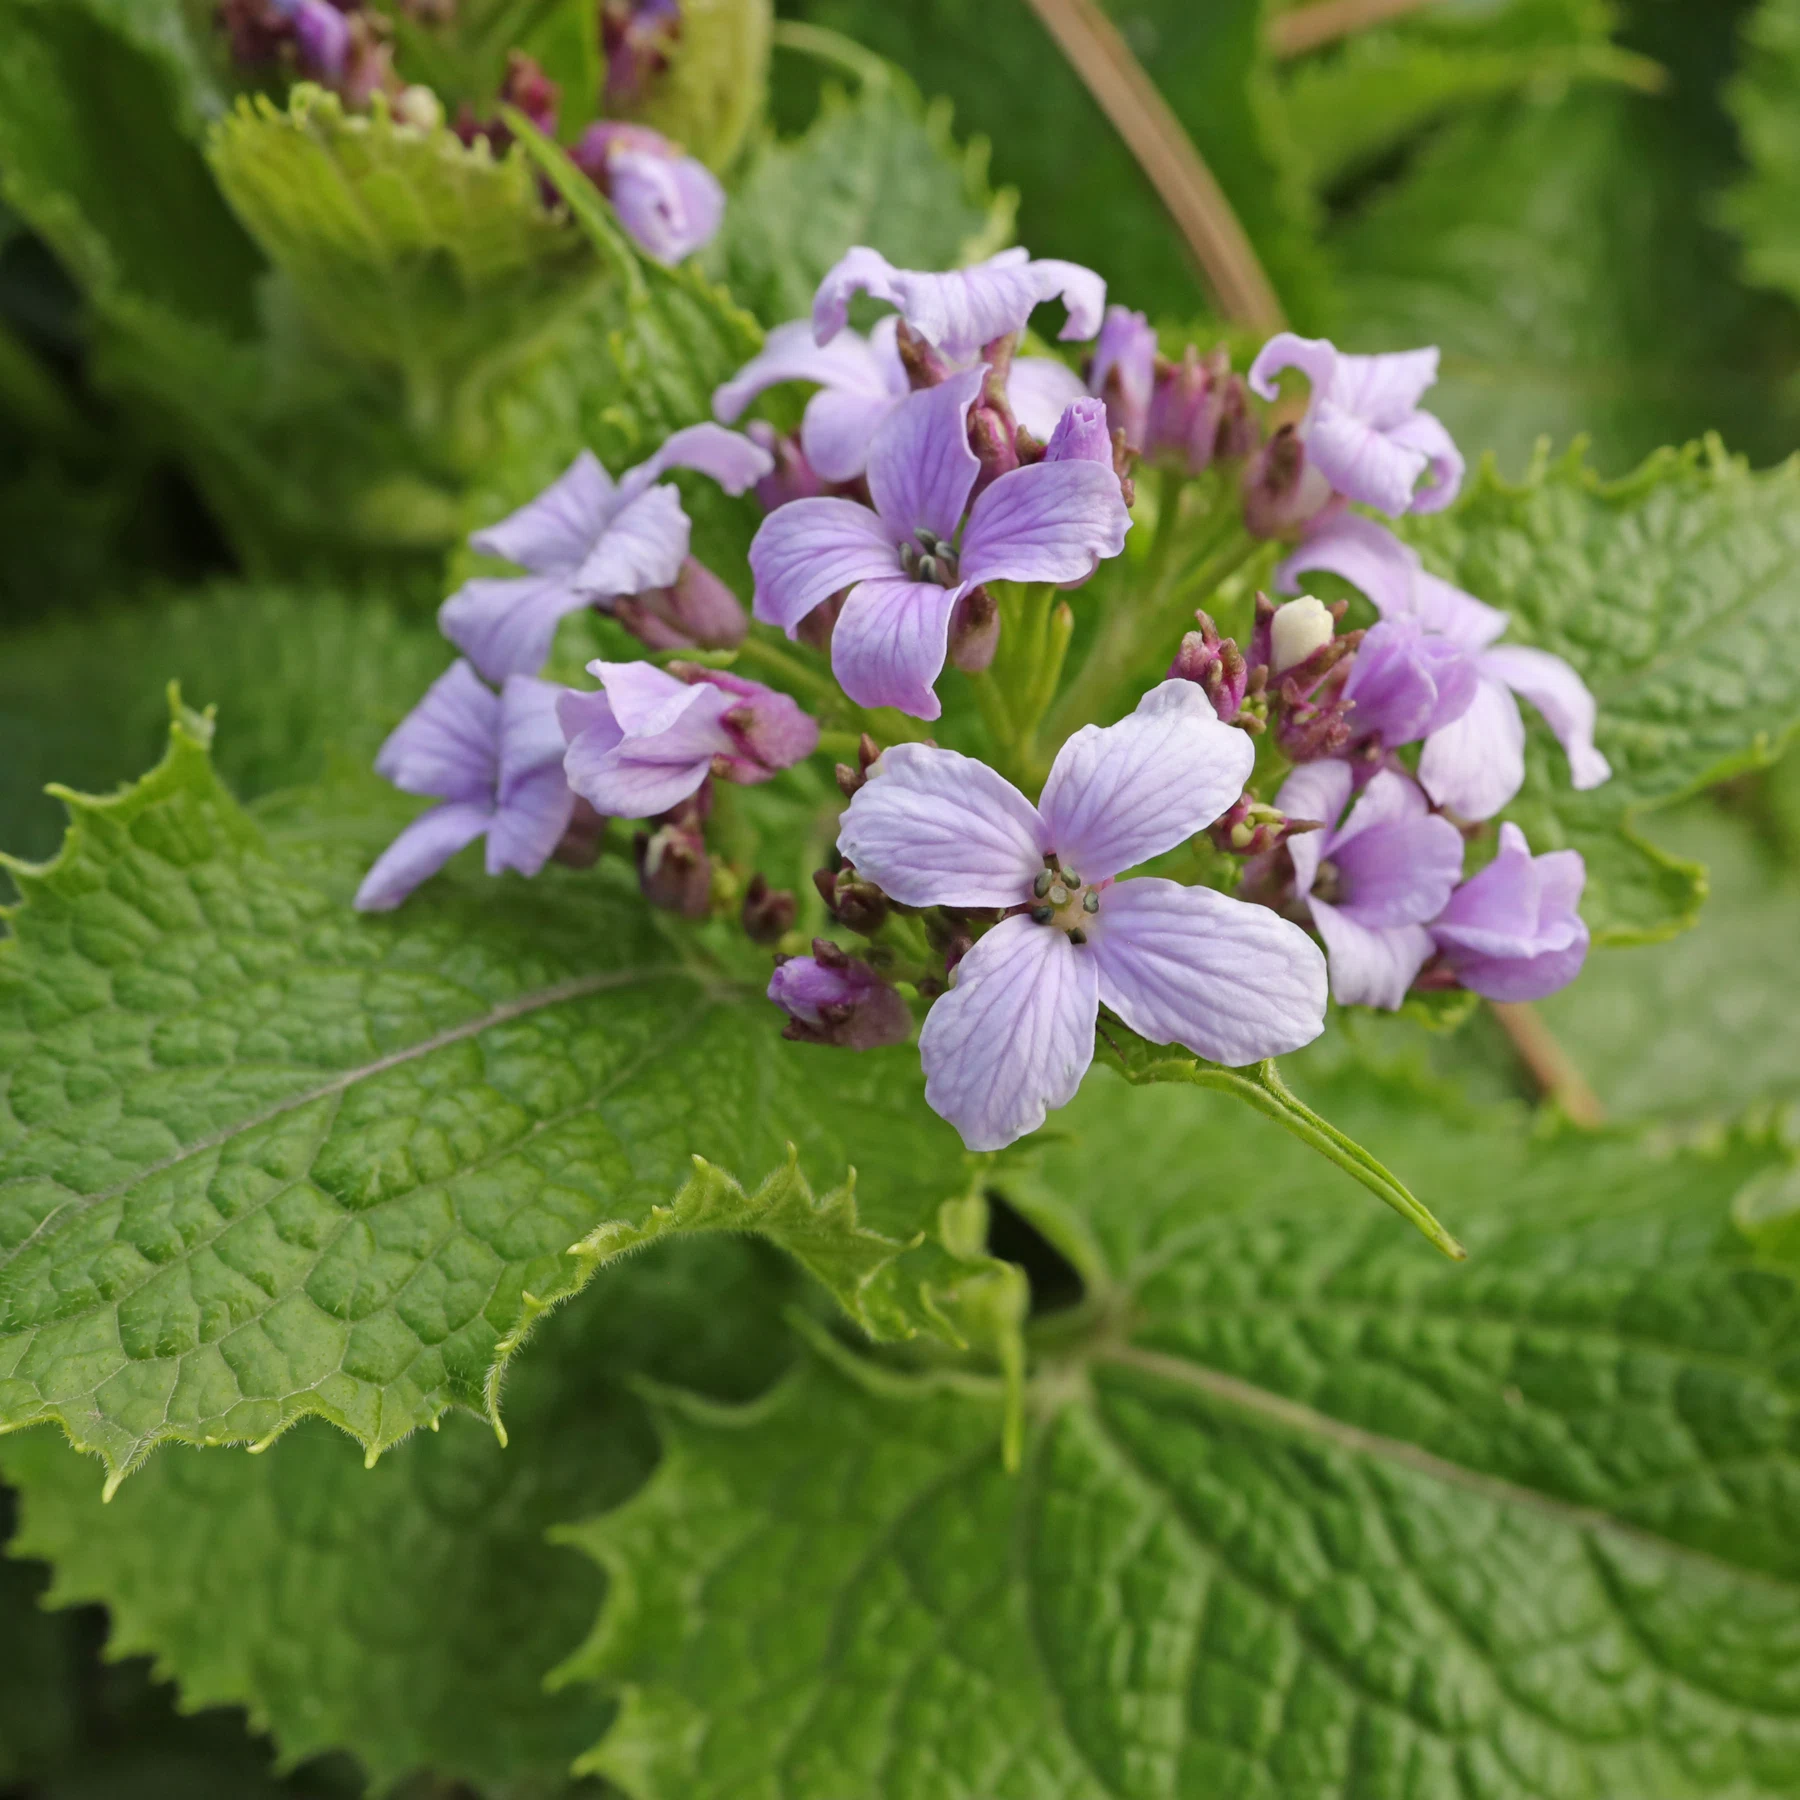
{"x": 1561, "y": 696}
{"x": 1425, "y": 432}
{"x": 644, "y": 545}
{"x": 789, "y": 353}
{"x": 420, "y": 851}
{"x": 670, "y": 206}
{"x": 1369, "y": 967}
{"x": 1397, "y": 872}
{"x": 1013, "y": 1038}
{"x": 1081, "y": 434}
{"x": 934, "y": 828}
{"x": 1050, "y": 521}
{"x": 838, "y": 427}
{"x": 1185, "y": 965}
{"x": 554, "y": 532}
{"x": 531, "y": 734}
{"x": 859, "y": 270}
{"x": 891, "y": 642}
{"x": 448, "y": 745}
{"x": 1477, "y": 764}
{"x": 1405, "y": 683}
{"x": 1365, "y": 554}
{"x": 1315, "y": 790}
{"x": 1120, "y": 794}
{"x": 634, "y": 778}
{"x": 506, "y": 625}
{"x": 1386, "y": 389}
{"x": 808, "y": 550}
{"x": 1497, "y": 911}
{"x": 649, "y": 703}
{"x": 1453, "y": 614}
{"x": 1316, "y": 358}
{"x": 1562, "y": 874}
{"x": 920, "y": 465}
{"x": 1038, "y": 389}
{"x": 1525, "y": 977}
{"x": 531, "y": 821}
{"x": 1513, "y": 932}
{"x": 1079, "y": 289}
{"x": 733, "y": 460}
{"x": 1362, "y": 462}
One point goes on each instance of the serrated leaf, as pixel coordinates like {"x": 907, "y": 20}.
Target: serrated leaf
{"x": 1305, "y": 1509}
{"x": 1764, "y": 97}
{"x": 1675, "y": 593}
{"x": 880, "y": 169}
{"x": 407, "y": 1614}
{"x": 262, "y": 1158}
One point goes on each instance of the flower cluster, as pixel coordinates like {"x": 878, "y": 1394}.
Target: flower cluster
{"x": 1264, "y": 823}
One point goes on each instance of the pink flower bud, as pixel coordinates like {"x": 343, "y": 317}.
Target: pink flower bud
{"x": 834, "y": 998}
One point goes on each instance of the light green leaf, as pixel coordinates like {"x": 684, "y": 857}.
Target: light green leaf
{"x": 406, "y": 1614}
{"x": 1305, "y": 1510}
{"x": 1764, "y": 207}
{"x": 1675, "y": 593}
{"x": 716, "y": 84}
{"x": 262, "y": 1158}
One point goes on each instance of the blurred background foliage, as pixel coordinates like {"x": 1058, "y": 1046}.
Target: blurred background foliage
{"x": 262, "y": 367}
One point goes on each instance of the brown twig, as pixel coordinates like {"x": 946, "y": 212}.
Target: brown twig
{"x": 1165, "y": 152}
{"x": 1308, "y": 27}
{"x": 1551, "y": 1066}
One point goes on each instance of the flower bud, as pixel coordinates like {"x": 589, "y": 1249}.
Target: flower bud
{"x": 579, "y": 847}
{"x": 1082, "y": 434}
{"x": 814, "y": 631}
{"x": 674, "y": 871}
{"x": 834, "y": 998}
{"x": 850, "y": 781}
{"x": 669, "y": 203}
{"x": 1250, "y": 827}
{"x": 768, "y": 912}
{"x": 1198, "y": 412}
{"x": 924, "y": 366}
{"x": 994, "y": 433}
{"x": 793, "y": 477}
{"x": 768, "y": 730}
{"x": 637, "y": 36}
{"x": 1122, "y": 372}
{"x": 698, "y": 612}
{"x": 858, "y": 906}
{"x": 1217, "y": 665}
{"x": 1299, "y": 628}
{"x": 1282, "y": 489}
{"x": 974, "y": 631}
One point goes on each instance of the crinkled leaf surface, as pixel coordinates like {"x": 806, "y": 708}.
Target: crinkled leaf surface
{"x": 262, "y": 1158}
{"x": 1764, "y": 208}
{"x": 1305, "y": 1510}
{"x": 1675, "y": 593}
{"x": 408, "y": 1613}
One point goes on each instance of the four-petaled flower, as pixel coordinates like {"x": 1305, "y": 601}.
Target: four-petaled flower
{"x": 1050, "y": 521}
{"x": 1363, "y": 429}
{"x": 495, "y": 763}
{"x": 588, "y": 540}
{"x": 1373, "y": 881}
{"x": 1014, "y": 1036}
{"x": 1512, "y": 932}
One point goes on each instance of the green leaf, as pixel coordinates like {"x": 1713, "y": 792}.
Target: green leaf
{"x": 263, "y": 1158}
{"x": 1305, "y": 1509}
{"x": 37, "y": 1706}
{"x": 716, "y": 84}
{"x": 407, "y": 1614}
{"x": 879, "y": 169}
{"x": 1675, "y": 593}
{"x": 1764, "y": 207}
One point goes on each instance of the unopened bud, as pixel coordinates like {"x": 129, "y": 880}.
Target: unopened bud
{"x": 858, "y": 906}
{"x": 579, "y": 847}
{"x": 1299, "y": 628}
{"x": 1216, "y": 664}
{"x": 1282, "y": 489}
{"x": 637, "y": 37}
{"x": 836, "y": 999}
{"x": 1252, "y": 828}
{"x": 814, "y": 631}
{"x": 974, "y": 631}
{"x": 924, "y": 367}
{"x": 698, "y": 612}
{"x": 768, "y": 912}
{"x": 1197, "y": 411}
{"x": 793, "y": 477}
{"x": 851, "y": 781}
{"x": 674, "y": 871}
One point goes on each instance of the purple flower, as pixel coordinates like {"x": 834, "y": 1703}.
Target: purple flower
{"x": 648, "y": 741}
{"x": 1371, "y": 882}
{"x": 1407, "y": 683}
{"x": 322, "y": 34}
{"x": 834, "y": 998}
{"x": 1512, "y": 932}
{"x": 1363, "y": 429}
{"x": 669, "y": 204}
{"x": 494, "y": 760}
{"x": 637, "y": 36}
{"x": 588, "y": 540}
{"x": 861, "y": 381}
{"x": 962, "y": 310}
{"x": 1473, "y": 763}
{"x": 1182, "y": 965}
{"x": 1122, "y": 371}
{"x": 1050, "y": 521}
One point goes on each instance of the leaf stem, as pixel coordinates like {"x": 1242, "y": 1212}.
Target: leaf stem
{"x": 1550, "y": 1065}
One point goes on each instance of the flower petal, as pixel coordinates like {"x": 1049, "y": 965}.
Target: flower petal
{"x": 1496, "y": 912}
{"x": 1185, "y": 965}
{"x": 1081, "y": 434}
{"x": 932, "y": 827}
{"x": 1444, "y": 471}
{"x": 920, "y": 465}
{"x": 1013, "y": 1038}
{"x": 420, "y": 851}
{"x": 1365, "y": 554}
{"x": 1384, "y": 390}
{"x": 890, "y": 642}
{"x": 530, "y": 822}
{"x": 1451, "y": 613}
{"x": 1561, "y": 696}
{"x": 1370, "y": 967}
{"x": 1477, "y": 764}
{"x": 1361, "y": 462}
{"x": 789, "y": 353}
{"x": 1524, "y": 977}
{"x": 623, "y": 782}
{"x": 649, "y": 703}
{"x": 1119, "y": 794}
{"x": 808, "y": 550}
{"x": 1315, "y": 790}
{"x": 556, "y": 530}
{"x": 1038, "y": 389}
{"x": 1316, "y": 358}
{"x": 643, "y": 546}
{"x": 1050, "y": 521}
{"x": 733, "y": 460}
{"x": 448, "y": 745}
{"x": 1079, "y": 289}
{"x": 531, "y": 734}
{"x": 1395, "y": 871}
{"x": 671, "y": 206}
{"x": 838, "y": 427}
{"x": 505, "y": 626}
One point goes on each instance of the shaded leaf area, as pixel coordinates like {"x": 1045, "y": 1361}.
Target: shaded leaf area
{"x": 1082, "y": 195}
{"x": 879, "y": 168}
{"x": 407, "y": 1614}
{"x": 1674, "y": 594}
{"x": 1764, "y": 98}
{"x": 261, "y": 1157}
{"x": 1304, "y": 1510}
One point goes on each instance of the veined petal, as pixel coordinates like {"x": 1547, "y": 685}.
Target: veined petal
{"x": 420, "y": 851}
{"x": 1119, "y": 794}
{"x": 731, "y": 459}
{"x": 1384, "y": 389}
{"x": 1050, "y": 521}
{"x": 1316, "y": 358}
{"x": 1561, "y": 696}
{"x": 506, "y": 625}
{"x": 1497, "y": 911}
{"x": 789, "y": 353}
{"x": 1477, "y": 764}
{"x": 1365, "y": 554}
{"x": 1185, "y": 965}
{"x": 1013, "y": 1038}
{"x": 837, "y": 428}
{"x": 1425, "y": 432}
{"x": 531, "y": 733}
{"x": 890, "y": 643}
{"x": 1361, "y": 462}
{"x": 651, "y": 704}
{"x": 1038, "y": 388}
{"x": 530, "y": 821}
{"x": 808, "y": 550}
{"x": 643, "y": 546}
{"x": 1398, "y": 871}
{"x": 932, "y": 827}
{"x": 1315, "y": 790}
{"x": 555, "y": 531}
{"x": 448, "y": 745}
{"x": 1370, "y": 967}
{"x": 628, "y": 780}
{"x": 920, "y": 465}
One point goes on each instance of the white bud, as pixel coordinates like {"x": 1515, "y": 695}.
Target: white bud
{"x": 418, "y": 107}
{"x": 1297, "y": 630}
